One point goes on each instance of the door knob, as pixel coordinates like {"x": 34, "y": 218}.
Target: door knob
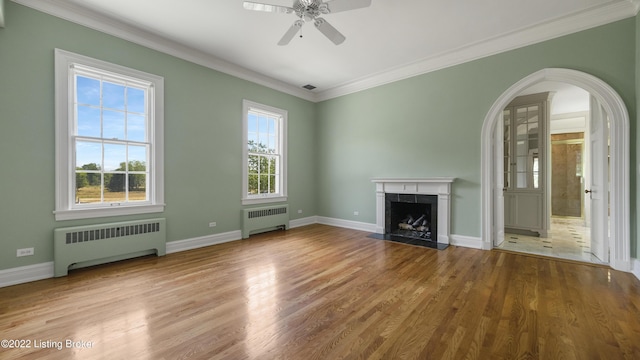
{"x": 586, "y": 191}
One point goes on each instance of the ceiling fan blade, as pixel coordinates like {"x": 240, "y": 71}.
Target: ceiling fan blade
{"x": 266, "y": 7}
{"x": 344, "y": 5}
{"x": 329, "y": 31}
{"x": 291, "y": 32}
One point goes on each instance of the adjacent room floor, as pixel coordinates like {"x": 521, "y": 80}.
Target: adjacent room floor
{"x": 568, "y": 239}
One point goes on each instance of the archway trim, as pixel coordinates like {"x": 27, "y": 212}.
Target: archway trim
{"x": 620, "y": 246}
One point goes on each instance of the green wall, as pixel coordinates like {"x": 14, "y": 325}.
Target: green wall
{"x": 430, "y": 125}
{"x": 203, "y": 135}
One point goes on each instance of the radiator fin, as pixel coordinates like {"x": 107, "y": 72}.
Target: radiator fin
{"x": 267, "y": 212}
{"x": 74, "y": 237}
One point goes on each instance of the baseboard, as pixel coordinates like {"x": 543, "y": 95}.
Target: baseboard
{"x": 303, "y": 222}
{"x": 24, "y": 274}
{"x": 635, "y": 267}
{"x": 466, "y": 241}
{"x": 355, "y": 225}
{"x": 202, "y": 241}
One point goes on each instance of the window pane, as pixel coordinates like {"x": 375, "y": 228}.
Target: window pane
{"x": 112, "y": 96}
{"x": 264, "y": 165}
{"x": 135, "y": 100}
{"x": 252, "y": 143}
{"x": 273, "y": 184}
{"x": 87, "y": 91}
{"x": 86, "y": 194}
{"x": 137, "y": 158}
{"x": 264, "y": 184}
{"x": 136, "y": 130}
{"x": 137, "y": 187}
{"x": 88, "y": 153}
{"x": 114, "y": 157}
{"x": 113, "y": 124}
{"x": 253, "y": 184}
{"x": 115, "y": 188}
{"x": 88, "y": 121}
{"x": 273, "y": 144}
{"x": 253, "y": 164}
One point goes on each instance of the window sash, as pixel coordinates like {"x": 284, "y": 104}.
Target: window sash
{"x": 264, "y": 134}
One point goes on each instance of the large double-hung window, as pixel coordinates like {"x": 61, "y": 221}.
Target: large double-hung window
{"x": 109, "y": 139}
{"x": 265, "y": 160}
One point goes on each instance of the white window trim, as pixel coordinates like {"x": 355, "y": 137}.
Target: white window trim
{"x": 64, "y": 153}
{"x": 263, "y": 199}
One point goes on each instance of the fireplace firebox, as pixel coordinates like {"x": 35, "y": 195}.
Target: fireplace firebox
{"x": 411, "y": 216}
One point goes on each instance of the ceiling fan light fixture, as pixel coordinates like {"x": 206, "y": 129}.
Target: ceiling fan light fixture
{"x": 310, "y": 11}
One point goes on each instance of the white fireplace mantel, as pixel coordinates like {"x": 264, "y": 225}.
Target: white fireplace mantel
{"x": 440, "y": 186}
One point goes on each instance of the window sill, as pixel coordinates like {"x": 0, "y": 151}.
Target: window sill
{"x": 263, "y": 200}
{"x": 75, "y": 214}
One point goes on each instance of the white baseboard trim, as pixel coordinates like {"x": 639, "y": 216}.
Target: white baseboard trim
{"x": 24, "y": 274}
{"x": 303, "y": 222}
{"x": 635, "y": 267}
{"x": 349, "y": 224}
{"x": 202, "y": 241}
{"x": 466, "y": 241}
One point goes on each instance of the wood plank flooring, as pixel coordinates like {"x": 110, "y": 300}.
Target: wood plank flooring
{"x": 321, "y": 292}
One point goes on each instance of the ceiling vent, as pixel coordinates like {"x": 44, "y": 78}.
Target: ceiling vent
{"x": 309, "y": 87}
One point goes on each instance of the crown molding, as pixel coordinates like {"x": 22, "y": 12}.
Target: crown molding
{"x": 548, "y": 30}
{"x": 84, "y": 17}
{"x": 584, "y": 20}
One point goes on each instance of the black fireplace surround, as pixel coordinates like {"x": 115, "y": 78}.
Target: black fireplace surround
{"x": 412, "y": 216}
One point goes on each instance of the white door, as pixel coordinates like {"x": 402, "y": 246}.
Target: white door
{"x": 598, "y": 192}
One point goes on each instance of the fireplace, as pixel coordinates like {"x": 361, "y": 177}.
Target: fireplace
{"x": 413, "y": 216}
{"x": 405, "y": 199}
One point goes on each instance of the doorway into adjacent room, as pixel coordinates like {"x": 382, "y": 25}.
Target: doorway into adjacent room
{"x": 560, "y": 126}
{"x": 587, "y": 208}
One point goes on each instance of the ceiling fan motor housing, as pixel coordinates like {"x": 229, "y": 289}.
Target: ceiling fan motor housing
{"x": 310, "y": 9}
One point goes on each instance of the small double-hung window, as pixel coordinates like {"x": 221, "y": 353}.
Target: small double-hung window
{"x": 109, "y": 143}
{"x": 265, "y": 160}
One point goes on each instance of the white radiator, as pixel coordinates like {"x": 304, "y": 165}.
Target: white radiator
{"x": 101, "y": 243}
{"x": 262, "y": 219}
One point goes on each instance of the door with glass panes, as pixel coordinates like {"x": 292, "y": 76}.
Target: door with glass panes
{"x": 525, "y": 148}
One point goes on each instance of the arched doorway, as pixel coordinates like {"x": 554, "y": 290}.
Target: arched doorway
{"x": 619, "y": 158}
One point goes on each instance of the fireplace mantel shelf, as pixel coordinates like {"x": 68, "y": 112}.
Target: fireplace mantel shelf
{"x": 421, "y": 180}
{"x": 440, "y": 186}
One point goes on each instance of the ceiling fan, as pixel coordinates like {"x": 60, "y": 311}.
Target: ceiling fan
{"x": 310, "y": 10}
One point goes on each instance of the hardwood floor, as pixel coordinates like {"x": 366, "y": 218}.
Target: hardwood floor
{"x": 320, "y": 292}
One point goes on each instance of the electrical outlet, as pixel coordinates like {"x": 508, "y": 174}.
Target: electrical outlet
{"x": 212, "y": 224}
{"x": 24, "y": 252}
{"x": 300, "y": 211}
{"x": 356, "y": 213}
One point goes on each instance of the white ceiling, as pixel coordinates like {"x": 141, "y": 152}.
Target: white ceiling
{"x": 387, "y": 41}
{"x": 567, "y": 98}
